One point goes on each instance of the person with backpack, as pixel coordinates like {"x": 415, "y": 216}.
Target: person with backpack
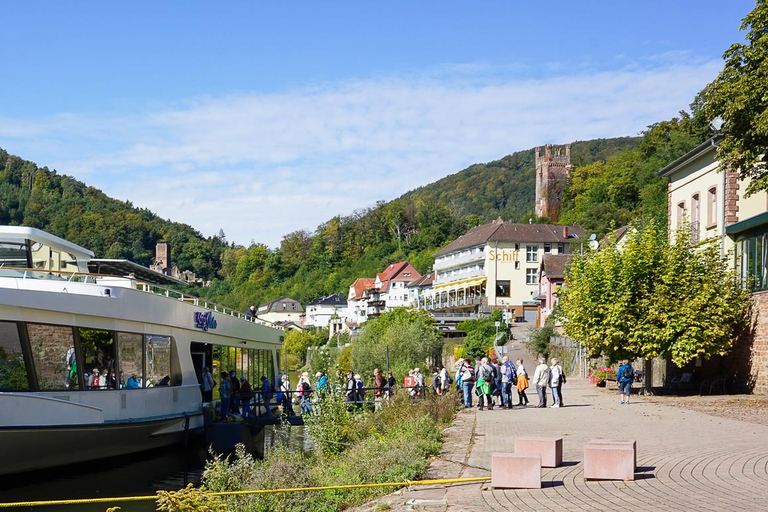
{"x": 624, "y": 378}
{"x": 508, "y": 379}
{"x": 484, "y": 382}
{"x": 467, "y": 373}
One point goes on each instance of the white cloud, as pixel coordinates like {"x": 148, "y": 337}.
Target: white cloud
{"x": 262, "y": 165}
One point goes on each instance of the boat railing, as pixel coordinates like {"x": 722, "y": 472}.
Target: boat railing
{"x": 87, "y": 277}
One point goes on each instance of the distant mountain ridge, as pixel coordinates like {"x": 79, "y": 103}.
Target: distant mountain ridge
{"x": 506, "y": 187}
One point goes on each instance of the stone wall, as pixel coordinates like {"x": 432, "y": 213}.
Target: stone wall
{"x": 758, "y": 348}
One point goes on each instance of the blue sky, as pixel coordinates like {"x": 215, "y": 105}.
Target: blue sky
{"x": 261, "y": 118}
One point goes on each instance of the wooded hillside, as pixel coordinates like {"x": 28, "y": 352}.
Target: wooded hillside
{"x": 613, "y": 181}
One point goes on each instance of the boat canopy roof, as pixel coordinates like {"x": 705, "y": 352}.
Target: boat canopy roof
{"x": 125, "y": 268}
{"x": 20, "y": 234}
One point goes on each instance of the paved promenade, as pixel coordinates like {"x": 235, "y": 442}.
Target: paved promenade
{"x": 687, "y": 460}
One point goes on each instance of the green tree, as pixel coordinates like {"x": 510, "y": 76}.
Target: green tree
{"x": 653, "y": 298}
{"x": 410, "y": 335}
{"x": 739, "y": 95}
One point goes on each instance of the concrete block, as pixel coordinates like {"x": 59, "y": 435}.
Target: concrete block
{"x": 618, "y": 442}
{"x": 516, "y": 470}
{"x": 609, "y": 462}
{"x": 550, "y": 449}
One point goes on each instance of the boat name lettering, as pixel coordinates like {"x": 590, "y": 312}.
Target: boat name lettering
{"x": 205, "y": 320}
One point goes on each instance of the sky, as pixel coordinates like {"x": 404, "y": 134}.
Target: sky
{"x": 262, "y": 118}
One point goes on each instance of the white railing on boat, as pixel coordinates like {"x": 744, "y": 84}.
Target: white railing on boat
{"x": 85, "y": 277}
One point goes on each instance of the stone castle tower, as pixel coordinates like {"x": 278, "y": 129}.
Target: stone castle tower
{"x": 162, "y": 258}
{"x": 552, "y": 170}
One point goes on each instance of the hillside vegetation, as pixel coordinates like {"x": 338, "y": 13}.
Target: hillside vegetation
{"x": 613, "y": 180}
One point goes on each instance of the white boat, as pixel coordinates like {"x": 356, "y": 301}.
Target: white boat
{"x": 61, "y": 325}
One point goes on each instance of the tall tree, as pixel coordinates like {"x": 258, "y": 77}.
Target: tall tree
{"x": 739, "y": 95}
{"x": 653, "y": 298}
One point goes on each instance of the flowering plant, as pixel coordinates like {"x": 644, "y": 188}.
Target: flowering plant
{"x": 600, "y": 375}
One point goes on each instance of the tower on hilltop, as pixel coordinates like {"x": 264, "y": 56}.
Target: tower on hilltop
{"x": 552, "y": 170}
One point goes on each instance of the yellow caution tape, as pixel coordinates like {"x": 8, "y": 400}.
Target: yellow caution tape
{"x": 406, "y": 483}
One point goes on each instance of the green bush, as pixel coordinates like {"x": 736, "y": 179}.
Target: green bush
{"x": 390, "y": 445}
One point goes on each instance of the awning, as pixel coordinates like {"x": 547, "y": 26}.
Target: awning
{"x": 460, "y": 285}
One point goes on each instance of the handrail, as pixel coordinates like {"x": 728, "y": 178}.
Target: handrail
{"x": 140, "y": 286}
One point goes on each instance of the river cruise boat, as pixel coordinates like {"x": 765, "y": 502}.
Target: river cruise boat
{"x": 101, "y": 358}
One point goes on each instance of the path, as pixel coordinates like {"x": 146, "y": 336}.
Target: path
{"x": 687, "y": 460}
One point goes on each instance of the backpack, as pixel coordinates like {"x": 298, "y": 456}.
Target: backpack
{"x": 449, "y": 379}
{"x": 486, "y": 372}
{"x": 628, "y": 374}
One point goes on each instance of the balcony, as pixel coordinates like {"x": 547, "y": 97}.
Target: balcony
{"x": 458, "y": 261}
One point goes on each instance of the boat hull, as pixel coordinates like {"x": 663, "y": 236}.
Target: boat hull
{"x": 42, "y": 447}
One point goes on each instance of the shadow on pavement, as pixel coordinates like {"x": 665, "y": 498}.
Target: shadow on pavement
{"x": 553, "y": 483}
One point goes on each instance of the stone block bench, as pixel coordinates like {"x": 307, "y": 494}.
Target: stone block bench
{"x": 610, "y": 459}
{"x": 516, "y": 470}
{"x": 550, "y": 449}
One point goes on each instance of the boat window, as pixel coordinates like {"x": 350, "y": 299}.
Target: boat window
{"x": 130, "y": 352}
{"x": 13, "y": 371}
{"x": 52, "y": 347}
{"x": 98, "y": 348}
{"x": 13, "y": 255}
{"x": 158, "y": 359}
{"x": 45, "y": 257}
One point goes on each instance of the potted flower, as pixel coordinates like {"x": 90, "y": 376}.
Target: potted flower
{"x": 599, "y": 376}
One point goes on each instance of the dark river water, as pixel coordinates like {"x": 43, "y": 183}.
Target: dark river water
{"x": 136, "y": 475}
{"x": 141, "y": 474}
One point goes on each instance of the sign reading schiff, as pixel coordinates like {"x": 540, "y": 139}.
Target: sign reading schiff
{"x": 504, "y": 255}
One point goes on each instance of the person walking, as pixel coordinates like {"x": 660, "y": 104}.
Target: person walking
{"x": 444, "y": 380}
{"x": 208, "y": 385}
{"x": 624, "y": 378}
{"x": 467, "y": 372}
{"x": 391, "y": 382}
{"x": 379, "y": 388}
{"x": 541, "y": 380}
{"x": 484, "y": 381}
{"x": 522, "y": 383}
{"x": 266, "y": 394}
{"x": 285, "y": 392}
{"x": 246, "y": 394}
{"x": 556, "y": 377}
{"x": 225, "y": 392}
{"x": 508, "y": 379}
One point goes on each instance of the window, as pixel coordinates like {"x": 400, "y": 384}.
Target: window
{"x": 680, "y": 213}
{"x": 712, "y": 207}
{"x": 561, "y": 248}
{"x": 157, "y": 359}
{"x": 130, "y": 351}
{"x": 695, "y": 218}
{"x": 98, "y": 349}
{"x": 531, "y": 276}
{"x": 547, "y": 248}
{"x": 13, "y": 371}
{"x": 502, "y": 288}
{"x": 752, "y": 260}
{"x": 531, "y": 253}
{"x": 13, "y": 255}
{"x": 517, "y": 247}
{"x": 50, "y": 346}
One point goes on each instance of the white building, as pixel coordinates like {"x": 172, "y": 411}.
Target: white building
{"x": 496, "y": 265}
{"x": 321, "y": 311}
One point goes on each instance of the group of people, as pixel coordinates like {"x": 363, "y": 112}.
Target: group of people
{"x": 235, "y": 394}
{"x": 493, "y": 382}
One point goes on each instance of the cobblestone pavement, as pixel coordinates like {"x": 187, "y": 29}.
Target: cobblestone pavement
{"x": 688, "y": 459}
